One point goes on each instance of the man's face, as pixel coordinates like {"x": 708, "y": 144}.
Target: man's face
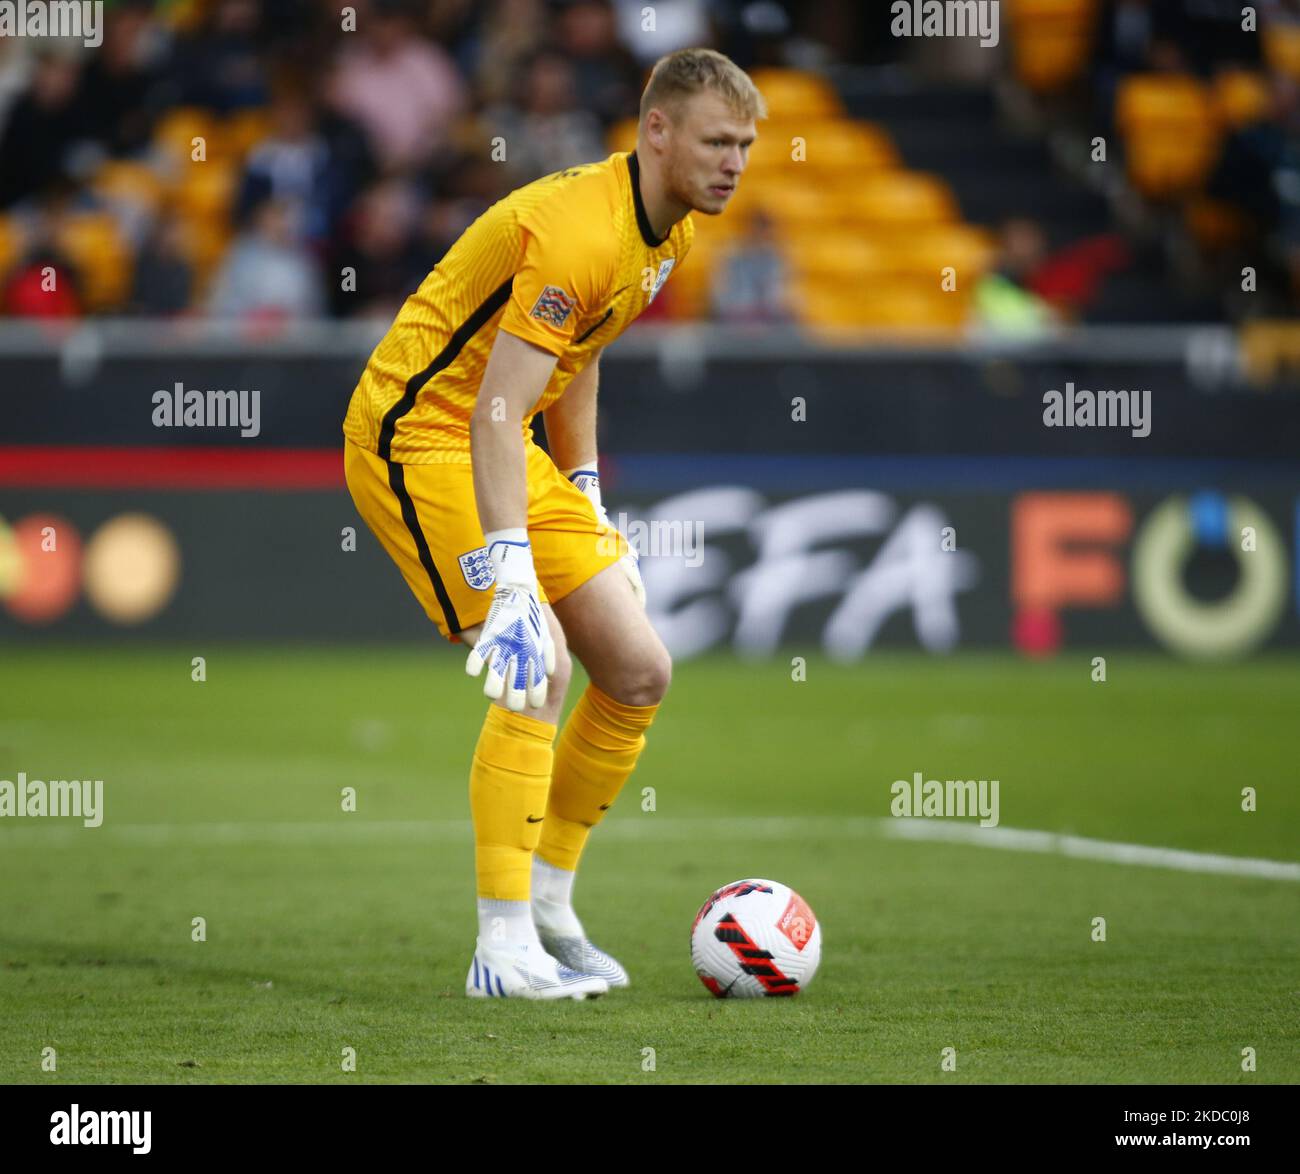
{"x": 708, "y": 148}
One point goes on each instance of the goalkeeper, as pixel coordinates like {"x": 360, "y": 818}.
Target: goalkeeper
{"x": 508, "y": 548}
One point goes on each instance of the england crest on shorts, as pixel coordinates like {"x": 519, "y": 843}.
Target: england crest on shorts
{"x": 477, "y": 569}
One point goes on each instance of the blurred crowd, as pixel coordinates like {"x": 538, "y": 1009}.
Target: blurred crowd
{"x": 273, "y": 160}
{"x": 286, "y": 159}
{"x": 1231, "y": 74}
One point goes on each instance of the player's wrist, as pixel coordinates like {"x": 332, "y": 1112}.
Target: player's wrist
{"x": 587, "y": 478}
{"x": 511, "y": 556}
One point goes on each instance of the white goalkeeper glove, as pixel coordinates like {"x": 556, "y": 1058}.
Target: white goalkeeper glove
{"x": 588, "y": 480}
{"x": 515, "y": 643}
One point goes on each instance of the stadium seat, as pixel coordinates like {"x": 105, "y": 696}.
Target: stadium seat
{"x": 924, "y": 254}
{"x": 1241, "y": 97}
{"x": 92, "y": 242}
{"x": 121, "y": 181}
{"x": 792, "y": 93}
{"x": 1216, "y": 225}
{"x": 845, "y": 256}
{"x": 206, "y": 191}
{"x": 1281, "y": 42}
{"x": 239, "y": 133}
{"x": 1270, "y": 349}
{"x": 830, "y": 148}
{"x": 788, "y": 201}
{"x": 12, "y": 244}
{"x": 622, "y": 135}
{"x": 1171, "y": 134}
{"x": 1051, "y": 41}
{"x": 174, "y": 136}
{"x": 895, "y": 309}
{"x": 902, "y": 198}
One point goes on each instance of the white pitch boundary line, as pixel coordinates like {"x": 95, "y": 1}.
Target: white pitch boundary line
{"x": 345, "y": 829}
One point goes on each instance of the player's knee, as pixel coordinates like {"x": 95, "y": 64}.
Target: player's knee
{"x": 563, "y": 672}
{"x": 646, "y": 682}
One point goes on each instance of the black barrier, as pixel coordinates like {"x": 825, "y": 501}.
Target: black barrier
{"x": 695, "y": 391}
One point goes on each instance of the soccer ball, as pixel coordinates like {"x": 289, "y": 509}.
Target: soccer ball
{"x": 755, "y": 938}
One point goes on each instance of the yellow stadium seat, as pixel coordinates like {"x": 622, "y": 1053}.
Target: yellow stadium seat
{"x": 787, "y": 201}
{"x": 91, "y": 241}
{"x": 207, "y": 190}
{"x": 206, "y": 244}
{"x": 902, "y": 198}
{"x": 183, "y": 15}
{"x": 1241, "y": 97}
{"x": 1170, "y": 130}
{"x": 926, "y": 253}
{"x": 841, "y": 255}
{"x": 1045, "y": 62}
{"x": 828, "y": 148}
{"x": 792, "y": 93}
{"x": 622, "y": 135}
{"x": 120, "y": 180}
{"x": 1051, "y": 41}
{"x": 903, "y": 310}
{"x": 1216, "y": 225}
{"x": 176, "y": 131}
{"x": 12, "y": 244}
{"x": 239, "y": 133}
{"x": 1282, "y": 47}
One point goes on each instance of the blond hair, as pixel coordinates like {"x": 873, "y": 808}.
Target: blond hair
{"x": 678, "y": 75}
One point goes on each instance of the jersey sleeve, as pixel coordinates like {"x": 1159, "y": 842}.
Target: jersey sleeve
{"x": 566, "y": 273}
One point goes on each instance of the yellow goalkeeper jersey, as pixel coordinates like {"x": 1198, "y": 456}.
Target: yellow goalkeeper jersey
{"x": 567, "y": 262}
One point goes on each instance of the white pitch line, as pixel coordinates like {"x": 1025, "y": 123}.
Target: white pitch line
{"x": 1082, "y": 848}
{"x": 661, "y": 828}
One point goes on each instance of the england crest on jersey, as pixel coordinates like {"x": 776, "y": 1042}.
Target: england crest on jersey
{"x": 665, "y": 268}
{"x": 477, "y": 569}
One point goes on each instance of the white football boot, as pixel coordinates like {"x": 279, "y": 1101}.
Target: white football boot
{"x": 526, "y": 972}
{"x": 580, "y": 954}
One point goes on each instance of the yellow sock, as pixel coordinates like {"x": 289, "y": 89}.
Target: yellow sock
{"x": 596, "y": 752}
{"x": 508, "y": 782}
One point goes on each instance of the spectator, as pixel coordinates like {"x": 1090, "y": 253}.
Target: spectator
{"x": 545, "y": 131}
{"x": 677, "y": 24}
{"x": 266, "y": 274}
{"x": 294, "y": 165}
{"x": 44, "y": 126}
{"x": 1004, "y": 301}
{"x": 164, "y": 279}
{"x": 222, "y": 69}
{"x": 404, "y": 91}
{"x": 607, "y": 80}
{"x": 381, "y": 249}
{"x": 509, "y": 32}
{"x": 122, "y": 83}
{"x": 749, "y": 285}
{"x": 45, "y": 283}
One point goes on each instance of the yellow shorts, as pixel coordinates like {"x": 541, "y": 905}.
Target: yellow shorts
{"x": 425, "y": 517}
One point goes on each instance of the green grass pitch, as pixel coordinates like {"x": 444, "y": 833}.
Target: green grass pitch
{"x": 329, "y": 930}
